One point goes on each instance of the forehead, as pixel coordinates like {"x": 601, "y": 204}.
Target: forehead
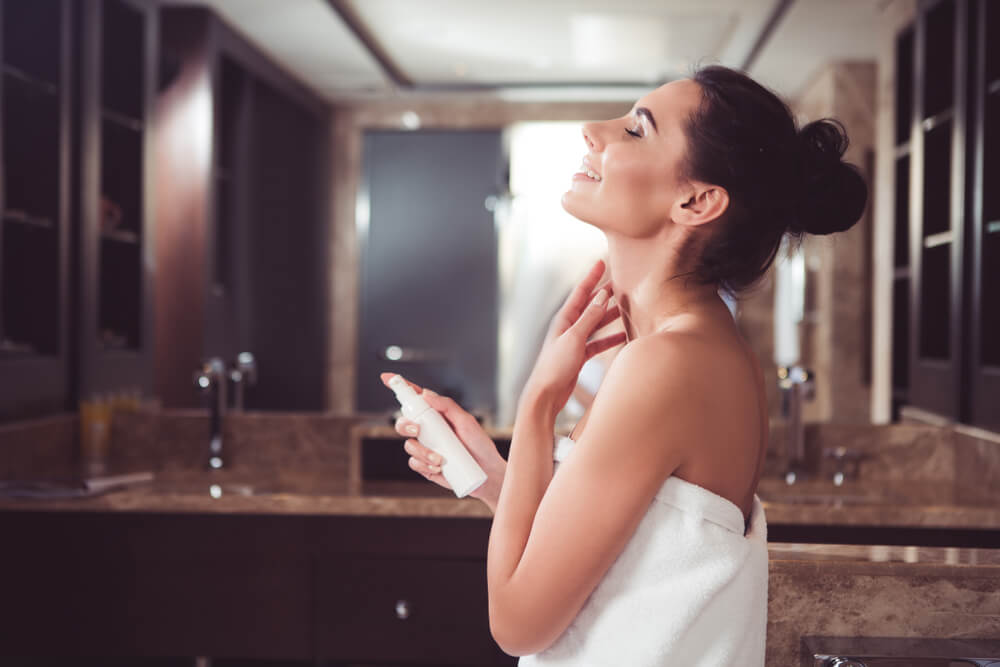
{"x": 672, "y": 102}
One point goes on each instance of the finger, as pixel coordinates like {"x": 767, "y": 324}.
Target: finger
{"x": 427, "y": 471}
{"x": 612, "y": 314}
{"x": 580, "y": 296}
{"x": 449, "y": 409}
{"x": 423, "y": 453}
{"x": 592, "y": 315}
{"x": 386, "y": 377}
{"x": 595, "y": 347}
{"x": 406, "y": 427}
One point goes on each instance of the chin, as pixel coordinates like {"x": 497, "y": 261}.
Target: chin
{"x": 576, "y": 210}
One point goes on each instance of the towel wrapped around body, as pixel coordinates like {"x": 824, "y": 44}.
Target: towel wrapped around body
{"x": 690, "y": 588}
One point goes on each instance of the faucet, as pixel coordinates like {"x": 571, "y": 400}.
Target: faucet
{"x": 211, "y": 377}
{"x": 844, "y": 457}
{"x": 797, "y": 385}
{"x": 244, "y": 371}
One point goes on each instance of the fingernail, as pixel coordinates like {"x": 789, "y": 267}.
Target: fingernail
{"x": 435, "y": 458}
{"x": 430, "y": 392}
{"x": 601, "y": 297}
{"x": 411, "y": 429}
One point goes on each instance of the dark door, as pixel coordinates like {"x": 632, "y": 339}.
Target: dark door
{"x": 429, "y": 264}
{"x": 284, "y": 313}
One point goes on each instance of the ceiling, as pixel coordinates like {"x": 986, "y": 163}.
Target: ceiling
{"x": 551, "y": 49}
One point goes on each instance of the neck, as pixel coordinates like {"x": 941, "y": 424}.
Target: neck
{"x": 640, "y": 270}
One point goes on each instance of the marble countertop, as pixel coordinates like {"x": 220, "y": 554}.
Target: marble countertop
{"x": 809, "y": 503}
{"x": 210, "y": 492}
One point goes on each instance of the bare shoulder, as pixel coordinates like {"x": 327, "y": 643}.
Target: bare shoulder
{"x": 655, "y": 399}
{"x": 671, "y": 361}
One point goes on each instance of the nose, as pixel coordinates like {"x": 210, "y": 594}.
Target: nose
{"x": 591, "y": 135}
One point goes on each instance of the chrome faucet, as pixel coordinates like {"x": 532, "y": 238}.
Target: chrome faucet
{"x": 211, "y": 377}
{"x": 244, "y": 372}
{"x": 796, "y": 384}
{"x": 844, "y": 457}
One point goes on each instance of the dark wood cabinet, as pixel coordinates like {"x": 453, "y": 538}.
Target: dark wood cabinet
{"x": 946, "y": 291}
{"x": 163, "y": 198}
{"x": 402, "y": 610}
{"x": 76, "y": 267}
{"x": 36, "y": 236}
{"x": 329, "y": 589}
{"x": 118, "y": 45}
{"x": 240, "y": 226}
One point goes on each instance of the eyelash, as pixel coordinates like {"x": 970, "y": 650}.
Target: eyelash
{"x": 632, "y": 132}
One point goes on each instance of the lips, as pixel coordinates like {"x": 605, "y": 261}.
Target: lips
{"x": 585, "y": 168}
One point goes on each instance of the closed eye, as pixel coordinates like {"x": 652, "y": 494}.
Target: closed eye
{"x": 632, "y": 132}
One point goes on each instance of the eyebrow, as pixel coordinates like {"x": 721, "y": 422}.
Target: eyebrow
{"x": 643, "y": 111}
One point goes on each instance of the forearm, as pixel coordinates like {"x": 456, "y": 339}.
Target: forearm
{"x": 529, "y": 472}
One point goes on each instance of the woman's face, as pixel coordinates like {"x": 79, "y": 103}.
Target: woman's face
{"x": 635, "y": 160}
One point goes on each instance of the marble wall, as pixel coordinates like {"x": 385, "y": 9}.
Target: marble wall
{"x": 836, "y": 332}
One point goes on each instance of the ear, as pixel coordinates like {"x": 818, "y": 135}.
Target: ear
{"x": 700, "y": 203}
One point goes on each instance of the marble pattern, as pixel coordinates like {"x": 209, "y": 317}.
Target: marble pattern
{"x": 915, "y": 475}
{"x": 855, "y": 599}
{"x": 46, "y": 447}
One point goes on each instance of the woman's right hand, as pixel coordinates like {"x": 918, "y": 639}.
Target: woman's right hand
{"x": 482, "y": 448}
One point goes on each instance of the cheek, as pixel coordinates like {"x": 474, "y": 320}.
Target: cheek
{"x": 638, "y": 179}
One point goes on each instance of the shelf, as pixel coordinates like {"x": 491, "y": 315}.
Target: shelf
{"x": 35, "y": 83}
{"x": 902, "y": 150}
{"x": 941, "y": 238}
{"x": 901, "y": 273}
{"x": 121, "y": 236}
{"x": 121, "y": 120}
{"x": 993, "y": 227}
{"x": 11, "y": 349}
{"x": 993, "y": 87}
{"x": 931, "y": 122}
{"x": 22, "y": 218}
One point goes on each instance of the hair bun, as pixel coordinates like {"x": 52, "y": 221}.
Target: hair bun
{"x": 832, "y": 194}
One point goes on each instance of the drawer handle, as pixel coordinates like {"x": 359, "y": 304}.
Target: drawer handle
{"x": 402, "y": 609}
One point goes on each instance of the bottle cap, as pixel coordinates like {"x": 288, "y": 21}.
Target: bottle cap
{"x": 412, "y": 403}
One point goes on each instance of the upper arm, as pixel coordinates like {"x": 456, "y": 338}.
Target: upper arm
{"x": 642, "y": 420}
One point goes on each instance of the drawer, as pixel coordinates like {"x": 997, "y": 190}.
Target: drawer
{"x": 417, "y": 611}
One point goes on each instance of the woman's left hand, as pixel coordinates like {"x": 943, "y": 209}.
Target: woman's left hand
{"x": 566, "y": 347}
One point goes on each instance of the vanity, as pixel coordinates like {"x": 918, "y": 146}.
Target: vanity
{"x": 306, "y": 549}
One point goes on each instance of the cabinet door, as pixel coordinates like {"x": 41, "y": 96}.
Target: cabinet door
{"x": 413, "y": 611}
{"x": 122, "y": 583}
{"x": 429, "y": 265}
{"x": 936, "y": 209}
{"x": 35, "y": 236}
{"x": 984, "y": 230}
{"x": 284, "y": 263}
{"x": 118, "y": 55}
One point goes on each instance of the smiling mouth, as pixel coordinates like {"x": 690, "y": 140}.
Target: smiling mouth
{"x": 588, "y": 172}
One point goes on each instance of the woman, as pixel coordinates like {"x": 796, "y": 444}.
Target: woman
{"x": 649, "y": 548}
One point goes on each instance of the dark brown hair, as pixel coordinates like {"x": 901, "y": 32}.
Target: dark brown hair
{"x": 780, "y": 179}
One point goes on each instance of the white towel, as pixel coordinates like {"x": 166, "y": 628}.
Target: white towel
{"x": 690, "y": 588}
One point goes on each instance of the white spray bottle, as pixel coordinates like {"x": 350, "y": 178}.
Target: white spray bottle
{"x": 459, "y": 468}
